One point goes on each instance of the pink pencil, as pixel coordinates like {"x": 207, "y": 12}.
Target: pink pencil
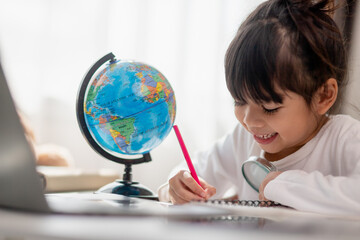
{"x": 186, "y": 154}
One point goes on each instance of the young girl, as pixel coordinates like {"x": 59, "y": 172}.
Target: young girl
{"x": 284, "y": 69}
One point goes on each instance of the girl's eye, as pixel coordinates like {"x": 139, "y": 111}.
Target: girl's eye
{"x": 270, "y": 111}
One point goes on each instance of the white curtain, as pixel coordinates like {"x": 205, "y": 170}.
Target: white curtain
{"x": 47, "y": 46}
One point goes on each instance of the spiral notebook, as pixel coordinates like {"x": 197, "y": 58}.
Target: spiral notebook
{"x": 255, "y": 208}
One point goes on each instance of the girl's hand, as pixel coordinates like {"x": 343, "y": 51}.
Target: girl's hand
{"x": 267, "y": 179}
{"x": 183, "y": 188}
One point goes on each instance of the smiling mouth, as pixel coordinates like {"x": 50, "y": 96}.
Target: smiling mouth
{"x": 266, "y": 136}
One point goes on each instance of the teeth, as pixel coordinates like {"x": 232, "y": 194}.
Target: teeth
{"x": 266, "y": 136}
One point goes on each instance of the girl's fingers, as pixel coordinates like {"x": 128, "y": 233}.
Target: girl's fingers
{"x": 183, "y": 195}
{"x": 192, "y": 185}
{"x": 183, "y": 188}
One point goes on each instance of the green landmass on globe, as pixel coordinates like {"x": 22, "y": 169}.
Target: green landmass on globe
{"x": 129, "y": 107}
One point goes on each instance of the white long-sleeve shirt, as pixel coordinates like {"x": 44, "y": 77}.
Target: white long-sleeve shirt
{"x": 322, "y": 176}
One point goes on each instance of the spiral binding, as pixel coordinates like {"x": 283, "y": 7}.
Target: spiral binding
{"x": 230, "y": 219}
{"x": 251, "y": 203}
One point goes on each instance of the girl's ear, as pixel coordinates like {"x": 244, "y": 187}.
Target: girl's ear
{"x": 326, "y": 96}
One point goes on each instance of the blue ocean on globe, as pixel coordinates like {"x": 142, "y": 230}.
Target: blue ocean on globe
{"x": 129, "y": 108}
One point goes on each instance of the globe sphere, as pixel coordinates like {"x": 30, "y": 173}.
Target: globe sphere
{"x": 129, "y": 107}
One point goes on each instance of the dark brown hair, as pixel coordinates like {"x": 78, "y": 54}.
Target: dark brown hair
{"x": 294, "y": 44}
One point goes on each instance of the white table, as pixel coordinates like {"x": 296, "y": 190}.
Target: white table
{"x": 16, "y": 225}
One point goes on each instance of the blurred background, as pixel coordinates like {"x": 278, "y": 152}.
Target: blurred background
{"x": 47, "y": 46}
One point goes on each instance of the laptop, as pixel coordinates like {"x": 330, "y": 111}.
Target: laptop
{"x": 21, "y": 187}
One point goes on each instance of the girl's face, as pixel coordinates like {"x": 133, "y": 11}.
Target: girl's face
{"x": 279, "y": 129}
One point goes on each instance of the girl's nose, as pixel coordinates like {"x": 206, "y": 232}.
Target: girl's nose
{"x": 252, "y": 117}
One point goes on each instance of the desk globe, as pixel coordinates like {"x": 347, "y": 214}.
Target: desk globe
{"x": 124, "y": 110}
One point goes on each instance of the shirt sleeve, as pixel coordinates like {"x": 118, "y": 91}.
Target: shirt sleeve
{"x": 314, "y": 192}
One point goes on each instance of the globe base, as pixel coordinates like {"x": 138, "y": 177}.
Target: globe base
{"x": 129, "y": 189}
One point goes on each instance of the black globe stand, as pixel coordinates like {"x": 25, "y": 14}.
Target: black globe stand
{"x": 125, "y": 186}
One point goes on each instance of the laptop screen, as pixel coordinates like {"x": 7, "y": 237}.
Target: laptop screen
{"x": 20, "y": 185}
